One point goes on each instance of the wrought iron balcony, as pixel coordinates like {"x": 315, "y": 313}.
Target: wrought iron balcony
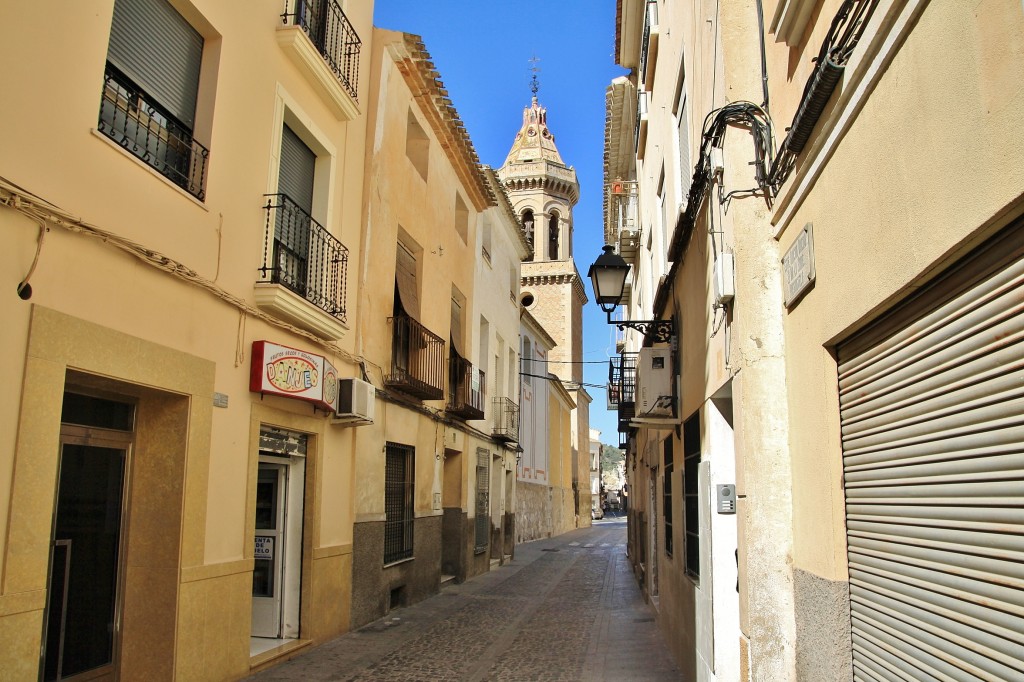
{"x": 623, "y": 226}
{"x": 144, "y": 128}
{"x": 649, "y": 45}
{"x": 333, "y": 35}
{"x": 302, "y": 256}
{"x": 417, "y": 359}
{"x": 622, "y": 379}
{"x": 505, "y": 414}
{"x": 466, "y": 389}
{"x": 622, "y": 388}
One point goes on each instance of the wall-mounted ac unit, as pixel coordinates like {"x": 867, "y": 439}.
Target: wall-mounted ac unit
{"x": 654, "y": 394}
{"x": 356, "y": 401}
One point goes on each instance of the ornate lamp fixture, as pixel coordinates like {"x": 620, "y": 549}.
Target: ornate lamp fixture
{"x": 608, "y": 277}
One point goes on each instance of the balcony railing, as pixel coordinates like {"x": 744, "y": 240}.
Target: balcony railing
{"x": 417, "y": 359}
{"x": 623, "y": 217}
{"x": 649, "y": 45}
{"x": 466, "y": 389}
{"x": 622, "y": 388}
{"x": 333, "y": 35}
{"x": 505, "y": 414}
{"x": 622, "y": 379}
{"x": 302, "y": 256}
{"x": 138, "y": 123}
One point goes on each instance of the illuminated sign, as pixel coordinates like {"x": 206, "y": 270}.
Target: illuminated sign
{"x": 293, "y": 373}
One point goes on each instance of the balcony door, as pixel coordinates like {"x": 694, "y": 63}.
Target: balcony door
{"x": 293, "y": 227}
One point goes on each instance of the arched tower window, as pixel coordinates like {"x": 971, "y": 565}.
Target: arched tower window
{"x": 553, "y": 236}
{"x": 528, "y": 226}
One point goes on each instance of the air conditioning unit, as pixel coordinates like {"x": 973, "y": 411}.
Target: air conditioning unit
{"x": 654, "y": 394}
{"x": 356, "y": 401}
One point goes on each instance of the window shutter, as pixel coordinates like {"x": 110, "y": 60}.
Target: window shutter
{"x": 159, "y": 50}
{"x": 405, "y": 280}
{"x": 456, "y": 331}
{"x": 296, "y": 173}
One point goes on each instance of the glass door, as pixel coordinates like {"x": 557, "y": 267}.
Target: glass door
{"x": 82, "y": 600}
{"x": 267, "y": 588}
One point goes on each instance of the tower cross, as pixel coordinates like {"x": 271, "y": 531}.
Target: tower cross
{"x": 534, "y": 83}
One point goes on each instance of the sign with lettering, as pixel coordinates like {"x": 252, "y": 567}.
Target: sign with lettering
{"x": 293, "y": 373}
{"x": 264, "y": 547}
{"x": 798, "y": 266}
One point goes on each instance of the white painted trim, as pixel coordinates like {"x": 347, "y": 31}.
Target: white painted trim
{"x": 296, "y": 44}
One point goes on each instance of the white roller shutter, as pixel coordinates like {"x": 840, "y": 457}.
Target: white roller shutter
{"x": 932, "y": 408}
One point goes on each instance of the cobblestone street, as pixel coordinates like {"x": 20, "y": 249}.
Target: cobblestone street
{"x": 567, "y": 608}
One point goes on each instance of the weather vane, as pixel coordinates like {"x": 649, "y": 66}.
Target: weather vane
{"x": 534, "y": 83}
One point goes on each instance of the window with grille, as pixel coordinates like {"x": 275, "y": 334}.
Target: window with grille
{"x": 483, "y": 477}
{"x": 691, "y": 503}
{"x": 398, "y": 496}
{"x": 151, "y": 85}
{"x": 666, "y": 496}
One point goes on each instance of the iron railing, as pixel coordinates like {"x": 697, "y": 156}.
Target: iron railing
{"x": 623, "y": 216}
{"x": 622, "y": 379}
{"x": 302, "y": 256}
{"x": 144, "y": 128}
{"x": 650, "y": 19}
{"x": 417, "y": 359}
{"x": 505, "y": 414}
{"x": 399, "y": 477}
{"x": 466, "y": 388}
{"x": 333, "y": 35}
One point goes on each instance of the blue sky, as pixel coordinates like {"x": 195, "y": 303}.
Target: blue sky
{"x": 481, "y": 49}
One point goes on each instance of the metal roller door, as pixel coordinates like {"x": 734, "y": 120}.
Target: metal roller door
{"x": 932, "y": 411}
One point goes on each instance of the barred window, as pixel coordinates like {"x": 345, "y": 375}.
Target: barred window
{"x": 398, "y": 496}
{"x": 691, "y": 501}
{"x": 666, "y": 496}
{"x": 483, "y": 477}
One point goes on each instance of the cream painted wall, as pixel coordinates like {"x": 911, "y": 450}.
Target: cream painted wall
{"x": 888, "y": 216}
{"x": 247, "y": 80}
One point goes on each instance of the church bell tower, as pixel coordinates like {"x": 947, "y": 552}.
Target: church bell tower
{"x": 543, "y": 191}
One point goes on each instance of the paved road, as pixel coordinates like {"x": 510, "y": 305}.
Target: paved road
{"x": 566, "y": 608}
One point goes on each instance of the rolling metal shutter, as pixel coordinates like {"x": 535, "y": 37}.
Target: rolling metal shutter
{"x": 159, "y": 50}
{"x": 932, "y": 410}
{"x": 298, "y": 165}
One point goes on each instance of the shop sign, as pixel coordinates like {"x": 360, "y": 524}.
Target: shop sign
{"x": 293, "y": 373}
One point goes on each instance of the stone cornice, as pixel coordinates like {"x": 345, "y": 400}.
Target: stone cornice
{"x": 414, "y": 63}
{"x": 558, "y": 278}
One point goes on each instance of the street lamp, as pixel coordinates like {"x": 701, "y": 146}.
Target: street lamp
{"x": 608, "y": 277}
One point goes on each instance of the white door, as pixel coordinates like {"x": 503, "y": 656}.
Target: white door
{"x": 269, "y": 553}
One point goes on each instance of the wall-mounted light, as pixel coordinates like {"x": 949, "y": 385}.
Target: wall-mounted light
{"x": 608, "y": 278}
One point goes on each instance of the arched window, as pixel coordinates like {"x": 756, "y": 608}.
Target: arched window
{"x": 553, "y": 236}
{"x": 528, "y": 227}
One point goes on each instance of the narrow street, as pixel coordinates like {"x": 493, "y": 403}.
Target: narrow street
{"x": 566, "y": 608}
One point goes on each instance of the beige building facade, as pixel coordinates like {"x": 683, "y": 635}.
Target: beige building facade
{"x": 840, "y": 267}
{"x": 174, "y": 284}
{"x": 438, "y": 333}
{"x": 218, "y": 450}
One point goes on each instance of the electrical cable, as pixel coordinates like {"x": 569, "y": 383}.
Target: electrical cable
{"x": 845, "y": 32}
{"x": 40, "y": 210}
